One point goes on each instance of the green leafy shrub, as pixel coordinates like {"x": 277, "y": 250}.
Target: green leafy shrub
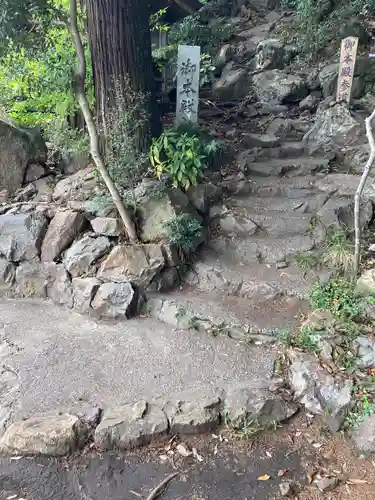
{"x": 183, "y": 154}
{"x": 338, "y": 296}
{"x": 183, "y": 230}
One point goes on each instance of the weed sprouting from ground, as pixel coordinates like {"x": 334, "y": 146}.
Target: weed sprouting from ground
{"x": 338, "y": 251}
{"x": 306, "y": 260}
{"x": 338, "y": 296}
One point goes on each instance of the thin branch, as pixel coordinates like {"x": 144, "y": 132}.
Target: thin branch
{"x": 91, "y": 127}
{"x": 358, "y": 194}
{"x": 160, "y": 487}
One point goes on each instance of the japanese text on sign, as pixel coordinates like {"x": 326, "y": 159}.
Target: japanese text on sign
{"x": 188, "y": 67}
{"x": 346, "y": 70}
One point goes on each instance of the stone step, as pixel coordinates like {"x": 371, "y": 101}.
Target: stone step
{"x": 222, "y": 272}
{"x": 276, "y": 224}
{"x": 230, "y": 316}
{"x": 256, "y": 249}
{"x": 287, "y": 187}
{"x": 310, "y": 202}
{"x": 289, "y": 167}
{"x": 289, "y": 149}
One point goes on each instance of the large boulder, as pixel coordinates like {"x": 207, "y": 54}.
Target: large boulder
{"x": 77, "y": 187}
{"x": 234, "y": 83}
{"x": 84, "y": 290}
{"x": 81, "y": 256}
{"x": 157, "y": 206}
{"x": 7, "y": 274}
{"x": 335, "y": 126}
{"x": 18, "y": 148}
{"x": 62, "y": 231}
{"x": 270, "y": 54}
{"x": 21, "y": 236}
{"x": 276, "y": 87}
{"x": 135, "y": 263}
{"x": 33, "y": 279}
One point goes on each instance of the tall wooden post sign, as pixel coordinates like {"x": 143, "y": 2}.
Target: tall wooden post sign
{"x": 346, "y": 70}
{"x": 188, "y": 70}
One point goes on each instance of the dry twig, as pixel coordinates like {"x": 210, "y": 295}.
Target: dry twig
{"x": 160, "y": 487}
{"x": 358, "y": 194}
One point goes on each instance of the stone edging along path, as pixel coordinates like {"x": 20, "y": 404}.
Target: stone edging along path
{"x": 134, "y": 425}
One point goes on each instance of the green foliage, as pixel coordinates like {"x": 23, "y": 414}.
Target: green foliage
{"x": 68, "y": 141}
{"x": 321, "y": 23}
{"x": 337, "y": 296}
{"x": 306, "y": 260}
{"x": 183, "y": 154}
{"x": 363, "y": 409}
{"x": 156, "y": 20}
{"x": 306, "y": 339}
{"x": 207, "y": 69}
{"x": 183, "y": 231}
{"x": 338, "y": 251}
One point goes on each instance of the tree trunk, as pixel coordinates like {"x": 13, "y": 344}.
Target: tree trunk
{"x": 120, "y": 43}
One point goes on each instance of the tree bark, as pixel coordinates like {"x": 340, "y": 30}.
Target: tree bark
{"x": 120, "y": 43}
{"x": 91, "y": 126}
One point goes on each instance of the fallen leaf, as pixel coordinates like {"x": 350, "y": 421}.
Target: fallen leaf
{"x": 184, "y": 452}
{"x": 329, "y": 455}
{"x": 269, "y": 455}
{"x": 356, "y": 481}
{"x": 163, "y": 457}
{"x": 298, "y": 433}
{"x": 215, "y": 450}
{"x": 310, "y": 475}
{"x": 265, "y": 477}
{"x": 317, "y": 445}
{"x": 282, "y": 472}
{"x": 11, "y": 497}
{"x": 16, "y": 458}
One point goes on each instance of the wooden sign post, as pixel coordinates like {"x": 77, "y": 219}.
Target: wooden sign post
{"x": 188, "y": 70}
{"x": 346, "y": 70}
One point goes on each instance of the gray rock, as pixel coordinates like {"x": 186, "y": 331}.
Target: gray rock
{"x": 114, "y": 300}
{"x": 345, "y": 185}
{"x": 231, "y": 224}
{"x": 364, "y": 435}
{"x": 18, "y": 147}
{"x": 131, "y": 426}
{"x": 34, "y": 172}
{"x": 328, "y": 79}
{"x": 260, "y": 140}
{"x": 60, "y": 291}
{"x": 318, "y": 391}
{"x": 338, "y": 212}
{"x": 286, "y": 489}
{"x": 365, "y": 348}
{"x": 192, "y": 412}
{"x": 366, "y": 283}
{"x": 25, "y": 193}
{"x": 270, "y": 54}
{"x": 157, "y": 206}
{"x": 81, "y": 256}
{"x": 33, "y": 279}
{"x": 234, "y": 83}
{"x": 202, "y": 195}
{"x": 165, "y": 281}
{"x": 7, "y": 274}
{"x": 251, "y": 401}
{"x": 84, "y": 290}
{"x": 280, "y": 127}
{"x": 310, "y": 102}
{"x": 21, "y": 236}
{"x": 335, "y": 126}
{"x": 77, "y": 187}
{"x": 327, "y": 483}
{"x": 136, "y": 263}
{"x": 54, "y": 435}
{"x": 63, "y": 229}
{"x": 224, "y": 56}
{"x": 276, "y": 87}
{"x": 44, "y": 187}
{"x": 106, "y": 226}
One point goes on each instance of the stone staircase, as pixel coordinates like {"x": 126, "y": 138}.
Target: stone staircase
{"x": 248, "y": 267}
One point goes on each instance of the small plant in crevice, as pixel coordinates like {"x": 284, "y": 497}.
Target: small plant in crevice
{"x": 306, "y": 260}
{"x": 183, "y": 154}
{"x": 306, "y": 339}
{"x": 338, "y": 296}
{"x": 183, "y": 231}
{"x": 285, "y": 338}
{"x": 338, "y": 251}
{"x": 221, "y": 329}
{"x": 364, "y": 407}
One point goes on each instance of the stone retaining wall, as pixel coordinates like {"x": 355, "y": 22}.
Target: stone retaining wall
{"x": 68, "y": 253}
{"x": 137, "y": 424}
